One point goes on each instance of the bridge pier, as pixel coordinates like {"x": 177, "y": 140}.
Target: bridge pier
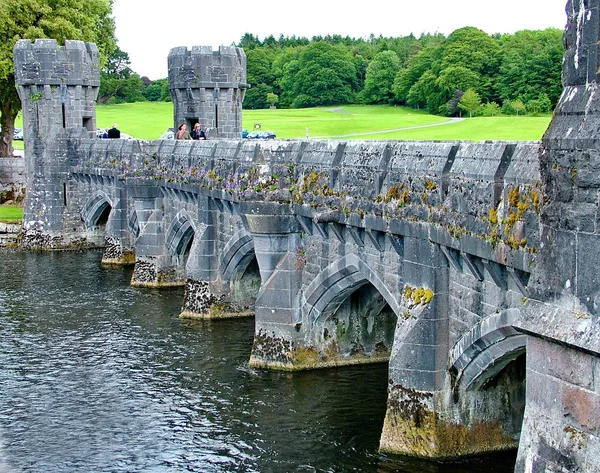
{"x": 276, "y": 240}
{"x": 561, "y": 430}
{"x": 118, "y": 249}
{"x": 153, "y": 267}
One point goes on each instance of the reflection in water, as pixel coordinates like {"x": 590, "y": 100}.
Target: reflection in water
{"x": 97, "y": 376}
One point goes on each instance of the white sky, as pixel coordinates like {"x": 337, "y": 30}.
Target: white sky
{"x": 148, "y": 29}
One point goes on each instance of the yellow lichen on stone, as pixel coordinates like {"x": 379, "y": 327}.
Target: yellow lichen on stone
{"x": 417, "y": 295}
{"x": 436, "y": 439}
{"x": 306, "y": 357}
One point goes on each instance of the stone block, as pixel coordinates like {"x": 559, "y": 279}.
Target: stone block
{"x": 581, "y": 408}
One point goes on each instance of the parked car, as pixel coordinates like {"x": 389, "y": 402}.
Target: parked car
{"x": 244, "y": 133}
{"x": 17, "y": 133}
{"x": 267, "y": 135}
{"x": 253, "y": 135}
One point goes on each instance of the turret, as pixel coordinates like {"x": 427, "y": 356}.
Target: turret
{"x": 208, "y": 87}
{"x": 58, "y": 87}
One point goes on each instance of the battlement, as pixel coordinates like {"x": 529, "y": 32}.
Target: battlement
{"x": 208, "y": 87}
{"x": 44, "y": 62}
{"x": 201, "y": 67}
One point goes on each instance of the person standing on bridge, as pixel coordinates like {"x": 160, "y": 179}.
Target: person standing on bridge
{"x": 114, "y": 132}
{"x": 182, "y": 133}
{"x": 198, "y": 132}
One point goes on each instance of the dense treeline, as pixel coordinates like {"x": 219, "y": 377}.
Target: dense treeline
{"x": 467, "y": 72}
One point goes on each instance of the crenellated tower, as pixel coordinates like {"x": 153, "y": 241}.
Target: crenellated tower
{"x": 58, "y": 87}
{"x": 208, "y": 87}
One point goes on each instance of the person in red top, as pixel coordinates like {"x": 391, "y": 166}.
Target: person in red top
{"x": 182, "y": 133}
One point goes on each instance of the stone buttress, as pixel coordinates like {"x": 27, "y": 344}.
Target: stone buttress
{"x": 561, "y": 429}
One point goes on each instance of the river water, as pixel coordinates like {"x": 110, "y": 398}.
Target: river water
{"x": 97, "y": 376}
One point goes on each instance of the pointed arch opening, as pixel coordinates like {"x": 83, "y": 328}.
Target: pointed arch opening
{"x": 352, "y": 312}
{"x": 240, "y": 272}
{"x": 488, "y": 366}
{"x": 179, "y": 242}
{"x": 95, "y": 216}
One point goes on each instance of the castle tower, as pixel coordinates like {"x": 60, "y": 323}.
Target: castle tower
{"x": 560, "y": 428}
{"x": 208, "y": 87}
{"x": 58, "y": 87}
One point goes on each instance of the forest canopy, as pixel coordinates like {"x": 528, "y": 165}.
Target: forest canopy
{"x": 504, "y": 73}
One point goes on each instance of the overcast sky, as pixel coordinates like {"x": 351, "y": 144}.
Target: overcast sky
{"x": 148, "y": 29}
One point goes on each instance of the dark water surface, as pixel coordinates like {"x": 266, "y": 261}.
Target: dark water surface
{"x": 97, "y": 376}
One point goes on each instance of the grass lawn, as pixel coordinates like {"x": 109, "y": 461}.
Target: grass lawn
{"x": 142, "y": 120}
{"x": 11, "y": 214}
{"x": 149, "y": 120}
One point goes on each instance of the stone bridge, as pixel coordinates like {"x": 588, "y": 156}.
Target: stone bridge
{"x": 470, "y": 268}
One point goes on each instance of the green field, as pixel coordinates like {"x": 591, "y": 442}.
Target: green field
{"x": 11, "y": 214}
{"x": 148, "y": 120}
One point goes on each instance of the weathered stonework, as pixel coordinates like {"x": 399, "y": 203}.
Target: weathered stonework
{"x": 9, "y": 234}
{"x": 198, "y": 301}
{"x": 208, "y": 87}
{"x": 12, "y": 180}
{"x": 465, "y": 266}
{"x": 114, "y": 253}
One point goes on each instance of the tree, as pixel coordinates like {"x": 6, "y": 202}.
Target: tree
{"x": 450, "y": 81}
{"x": 322, "y": 75}
{"x": 157, "y": 90}
{"x": 452, "y": 107}
{"x": 470, "y": 102}
{"x": 118, "y": 83}
{"x": 86, "y": 20}
{"x": 491, "y": 109}
{"x": 518, "y": 106}
{"x": 470, "y": 53}
{"x": 405, "y": 79}
{"x": 272, "y": 99}
{"x": 256, "y": 97}
{"x": 379, "y": 80}
{"x": 116, "y": 90}
{"x": 531, "y": 65}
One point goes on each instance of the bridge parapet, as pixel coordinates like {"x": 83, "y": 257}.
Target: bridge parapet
{"x": 482, "y": 198}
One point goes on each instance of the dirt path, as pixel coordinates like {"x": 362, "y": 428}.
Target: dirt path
{"x": 449, "y": 122}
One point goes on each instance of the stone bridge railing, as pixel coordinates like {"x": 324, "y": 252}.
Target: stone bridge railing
{"x": 481, "y": 199}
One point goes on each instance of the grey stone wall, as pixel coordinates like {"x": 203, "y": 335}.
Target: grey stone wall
{"x": 208, "y": 87}
{"x": 469, "y": 267}
{"x": 457, "y": 223}
{"x": 58, "y": 87}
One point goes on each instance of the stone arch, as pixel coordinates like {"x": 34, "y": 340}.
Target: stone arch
{"x": 486, "y": 349}
{"x": 351, "y": 313}
{"x": 94, "y": 207}
{"x": 237, "y": 255}
{"x": 240, "y": 272}
{"x": 332, "y": 286}
{"x": 180, "y": 234}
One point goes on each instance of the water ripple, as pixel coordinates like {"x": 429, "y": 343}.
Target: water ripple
{"x": 100, "y": 377}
